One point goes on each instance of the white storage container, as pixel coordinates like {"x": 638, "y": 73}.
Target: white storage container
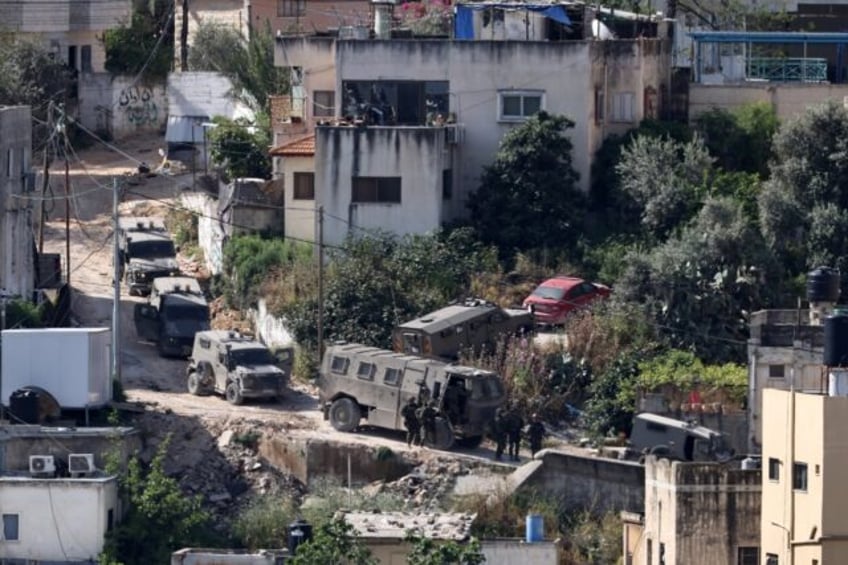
{"x": 72, "y": 364}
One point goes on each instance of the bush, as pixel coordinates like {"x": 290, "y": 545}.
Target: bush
{"x": 503, "y": 514}
{"x": 25, "y": 314}
{"x": 264, "y": 523}
{"x": 332, "y": 497}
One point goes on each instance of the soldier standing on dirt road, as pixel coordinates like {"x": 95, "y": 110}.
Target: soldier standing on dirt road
{"x": 535, "y": 434}
{"x": 428, "y": 420}
{"x": 515, "y": 424}
{"x": 411, "y": 422}
{"x": 498, "y": 432}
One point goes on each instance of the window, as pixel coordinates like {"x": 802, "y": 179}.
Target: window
{"x": 291, "y": 8}
{"x": 799, "y": 476}
{"x": 392, "y": 376}
{"x": 748, "y": 556}
{"x": 650, "y": 552}
{"x": 304, "y": 186}
{"x": 662, "y": 554}
{"x": 771, "y": 559}
{"x": 366, "y": 371}
{"x": 85, "y": 58}
{"x": 376, "y": 190}
{"x": 600, "y": 106}
{"x": 777, "y": 371}
{"x": 517, "y": 106}
{"x": 339, "y": 365}
{"x": 110, "y": 520}
{"x": 447, "y": 184}
{"x": 323, "y": 103}
{"x": 204, "y": 343}
{"x": 622, "y": 107}
{"x": 10, "y": 162}
{"x": 773, "y": 469}
{"x": 10, "y": 527}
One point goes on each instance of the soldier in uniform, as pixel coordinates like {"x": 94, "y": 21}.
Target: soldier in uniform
{"x": 498, "y": 432}
{"x": 411, "y": 422}
{"x": 515, "y": 424}
{"x": 535, "y": 434}
{"x": 428, "y": 415}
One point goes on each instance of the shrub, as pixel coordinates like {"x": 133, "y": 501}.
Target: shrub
{"x": 264, "y": 523}
{"x": 331, "y": 496}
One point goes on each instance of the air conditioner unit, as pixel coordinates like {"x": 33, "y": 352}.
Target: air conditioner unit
{"x": 80, "y": 463}
{"x": 42, "y": 464}
{"x": 454, "y": 134}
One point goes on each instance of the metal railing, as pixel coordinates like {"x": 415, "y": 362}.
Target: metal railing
{"x": 780, "y": 69}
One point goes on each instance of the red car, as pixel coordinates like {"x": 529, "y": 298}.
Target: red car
{"x": 556, "y": 298}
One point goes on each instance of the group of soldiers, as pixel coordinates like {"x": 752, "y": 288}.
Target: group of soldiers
{"x": 507, "y": 429}
{"x": 420, "y": 416}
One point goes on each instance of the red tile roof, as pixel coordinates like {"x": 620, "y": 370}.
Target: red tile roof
{"x": 303, "y": 147}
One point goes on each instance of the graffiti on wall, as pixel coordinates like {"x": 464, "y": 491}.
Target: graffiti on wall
{"x": 139, "y": 106}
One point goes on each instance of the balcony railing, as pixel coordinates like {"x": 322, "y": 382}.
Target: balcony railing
{"x": 779, "y": 69}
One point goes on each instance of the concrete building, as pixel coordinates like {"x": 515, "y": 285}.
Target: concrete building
{"x": 17, "y": 261}
{"x": 695, "y": 513}
{"x": 430, "y": 114}
{"x": 804, "y": 492}
{"x": 784, "y": 351}
{"x": 56, "y": 520}
{"x": 384, "y": 534}
{"x": 70, "y": 30}
{"x": 300, "y": 214}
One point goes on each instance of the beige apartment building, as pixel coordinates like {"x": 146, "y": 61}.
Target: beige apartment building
{"x": 804, "y": 492}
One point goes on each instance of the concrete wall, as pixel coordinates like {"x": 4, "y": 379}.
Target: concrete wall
{"x": 415, "y": 154}
{"x": 202, "y": 94}
{"x": 17, "y": 443}
{"x": 319, "y": 15}
{"x": 191, "y": 556}
{"x": 210, "y": 231}
{"x": 581, "y": 481}
{"x": 308, "y": 459}
{"x": 59, "y": 520}
{"x": 568, "y": 73}
{"x": 497, "y": 552}
{"x": 787, "y": 99}
{"x": 17, "y": 269}
{"x": 699, "y": 512}
{"x": 119, "y": 107}
{"x": 300, "y": 216}
{"x": 45, "y": 16}
{"x": 272, "y": 331}
{"x": 802, "y": 370}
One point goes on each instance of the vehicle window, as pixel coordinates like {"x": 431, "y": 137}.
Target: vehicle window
{"x": 494, "y": 387}
{"x": 197, "y": 313}
{"x": 653, "y": 426}
{"x": 588, "y": 288}
{"x": 366, "y": 371}
{"x": 339, "y": 365}
{"x": 204, "y": 343}
{"x": 549, "y": 292}
{"x": 254, "y": 356}
{"x": 411, "y": 343}
{"x": 391, "y": 376}
{"x": 478, "y": 389}
{"x": 151, "y": 249}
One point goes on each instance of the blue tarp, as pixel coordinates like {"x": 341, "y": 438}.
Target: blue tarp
{"x": 464, "y": 20}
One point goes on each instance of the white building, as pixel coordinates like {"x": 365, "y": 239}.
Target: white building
{"x": 436, "y": 110}
{"x": 17, "y": 270}
{"x": 56, "y": 520}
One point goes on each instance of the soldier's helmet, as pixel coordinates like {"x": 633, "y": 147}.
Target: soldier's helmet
{"x": 411, "y": 400}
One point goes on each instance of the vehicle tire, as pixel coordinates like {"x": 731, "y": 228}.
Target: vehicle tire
{"x": 472, "y": 442}
{"x": 194, "y": 386}
{"x": 233, "y": 394}
{"x": 345, "y": 414}
{"x": 444, "y": 434}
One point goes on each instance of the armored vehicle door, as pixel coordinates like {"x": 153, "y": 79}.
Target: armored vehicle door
{"x": 387, "y": 404}
{"x": 146, "y": 319}
{"x": 284, "y": 357}
{"x": 221, "y": 366}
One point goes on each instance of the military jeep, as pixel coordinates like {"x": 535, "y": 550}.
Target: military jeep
{"x": 357, "y": 381}
{"x": 235, "y": 365}
{"x": 176, "y": 310}
{"x": 145, "y": 252}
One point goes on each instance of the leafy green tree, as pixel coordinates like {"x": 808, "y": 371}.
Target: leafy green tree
{"x": 240, "y": 147}
{"x": 333, "y": 542}
{"x": 248, "y": 64}
{"x": 528, "y": 197}
{"x": 666, "y": 179}
{"x": 808, "y": 189}
{"x": 700, "y": 284}
{"x": 427, "y": 551}
{"x": 145, "y": 45}
{"x": 612, "y": 397}
{"x": 160, "y": 519}
{"x": 740, "y": 139}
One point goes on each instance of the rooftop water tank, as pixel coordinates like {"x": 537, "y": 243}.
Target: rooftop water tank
{"x": 823, "y": 285}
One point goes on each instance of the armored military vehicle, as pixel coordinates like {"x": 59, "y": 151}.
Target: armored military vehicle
{"x": 357, "y": 381}
{"x": 469, "y": 325}
{"x": 653, "y": 434}
{"x": 145, "y": 253}
{"x": 176, "y": 310}
{"x": 235, "y": 365}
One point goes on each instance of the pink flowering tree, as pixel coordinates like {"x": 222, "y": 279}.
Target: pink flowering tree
{"x": 428, "y": 17}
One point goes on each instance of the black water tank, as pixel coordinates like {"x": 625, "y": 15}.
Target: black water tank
{"x": 823, "y": 285}
{"x": 23, "y": 405}
{"x": 836, "y": 341}
{"x": 300, "y": 532}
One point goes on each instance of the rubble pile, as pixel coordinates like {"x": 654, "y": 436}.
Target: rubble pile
{"x": 429, "y": 484}
{"x": 224, "y": 318}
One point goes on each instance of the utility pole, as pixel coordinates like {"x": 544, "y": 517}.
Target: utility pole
{"x": 116, "y": 299}
{"x": 3, "y": 297}
{"x": 320, "y": 283}
{"x": 184, "y": 39}
{"x": 64, "y": 126}
{"x": 45, "y": 183}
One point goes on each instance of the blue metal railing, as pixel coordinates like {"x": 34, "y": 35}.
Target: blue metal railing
{"x": 780, "y": 69}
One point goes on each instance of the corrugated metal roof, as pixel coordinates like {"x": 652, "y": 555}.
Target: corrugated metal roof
{"x": 304, "y": 147}
{"x": 395, "y": 525}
